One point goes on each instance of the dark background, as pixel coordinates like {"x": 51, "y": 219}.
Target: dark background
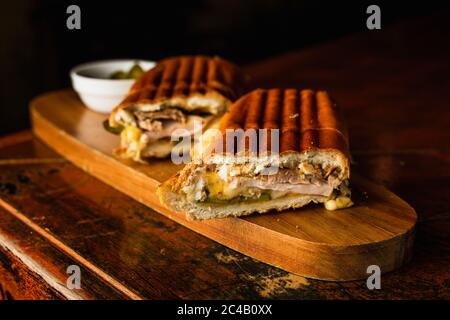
{"x": 37, "y": 50}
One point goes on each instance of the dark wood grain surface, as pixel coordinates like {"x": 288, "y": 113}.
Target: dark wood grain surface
{"x": 394, "y": 88}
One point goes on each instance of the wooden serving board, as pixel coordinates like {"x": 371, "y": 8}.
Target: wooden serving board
{"x": 312, "y": 242}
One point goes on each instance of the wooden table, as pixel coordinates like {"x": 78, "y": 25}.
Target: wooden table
{"x": 394, "y": 86}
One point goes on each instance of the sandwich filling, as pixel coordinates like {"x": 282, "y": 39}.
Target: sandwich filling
{"x": 235, "y": 183}
{"x": 152, "y": 130}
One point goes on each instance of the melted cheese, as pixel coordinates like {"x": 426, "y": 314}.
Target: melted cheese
{"x": 131, "y": 142}
{"x": 131, "y": 134}
{"x": 219, "y": 188}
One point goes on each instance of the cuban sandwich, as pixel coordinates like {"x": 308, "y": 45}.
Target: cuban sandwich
{"x": 301, "y": 156}
{"x": 177, "y": 93}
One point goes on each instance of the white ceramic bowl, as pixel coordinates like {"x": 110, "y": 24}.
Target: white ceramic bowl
{"x": 98, "y": 92}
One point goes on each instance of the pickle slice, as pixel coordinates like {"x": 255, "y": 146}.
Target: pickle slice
{"x": 113, "y": 130}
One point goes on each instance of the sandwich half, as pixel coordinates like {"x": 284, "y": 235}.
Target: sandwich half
{"x": 301, "y": 155}
{"x": 176, "y": 94}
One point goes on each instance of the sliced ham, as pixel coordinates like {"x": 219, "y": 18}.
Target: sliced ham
{"x": 319, "y": 188}
{"x": 162, "y": 124}
{"x": 147, "y": 118}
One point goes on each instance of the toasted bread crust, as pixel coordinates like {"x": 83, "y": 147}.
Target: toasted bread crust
{"x": 305, "y": 119}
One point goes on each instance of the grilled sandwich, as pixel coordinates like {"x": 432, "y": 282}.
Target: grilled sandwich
{"x": 176, "y": 94}
{"x": 301, "y": 155}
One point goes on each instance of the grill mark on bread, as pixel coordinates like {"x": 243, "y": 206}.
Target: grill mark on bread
{"x": 255, "y": 107}
{"x": 183, "y": 75}
{"x": 155, "y": 78}
{"x": 168, "y": 79}
{"x": 271, "y": 114}
{"x": 144, "y": 93}
{"x": 149, "y": 80}
{"x": 133, "y": 96}
{"x": 213, "y": 72}
{"x": 289, "y": 125}
{"x": 252, "y": 119}
{"x": 326, "y": 115}
{"x": 271, "y": 118}
{"x": 184, "y": 71}
{"x": 198, "y": 75}
{"x": 309, "y": 120}
{"x": 237, "y": 114}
